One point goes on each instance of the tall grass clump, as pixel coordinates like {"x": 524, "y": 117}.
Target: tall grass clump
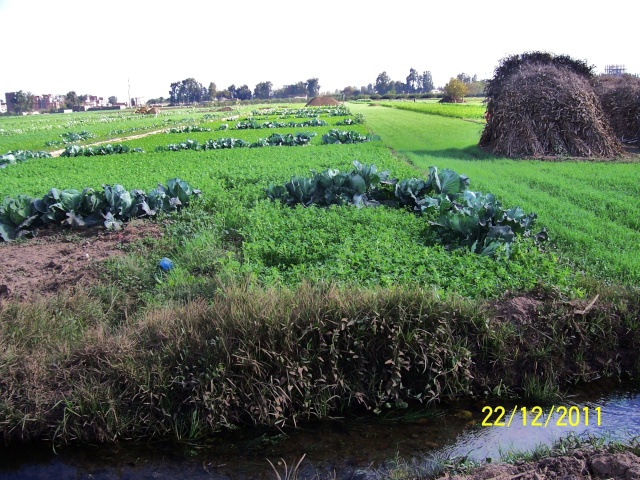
{"x": 73, "y": 370}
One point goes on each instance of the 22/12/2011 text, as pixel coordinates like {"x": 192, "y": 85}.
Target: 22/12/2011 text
{"x": 537, "y": 417}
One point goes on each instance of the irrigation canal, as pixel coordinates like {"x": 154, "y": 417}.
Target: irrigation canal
{"x": 355, "y": 448}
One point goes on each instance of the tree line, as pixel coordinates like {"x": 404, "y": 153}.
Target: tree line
{"x": 190, "y": 90}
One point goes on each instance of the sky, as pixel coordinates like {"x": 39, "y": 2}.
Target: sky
{"x": 99, "y": 47}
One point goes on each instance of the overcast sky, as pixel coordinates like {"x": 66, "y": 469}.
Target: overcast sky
{"x": 95, "y": 46}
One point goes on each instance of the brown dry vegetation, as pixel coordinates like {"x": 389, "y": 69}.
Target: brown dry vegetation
{"x": 620, "y": 99}
{"x": 540, "y": 106}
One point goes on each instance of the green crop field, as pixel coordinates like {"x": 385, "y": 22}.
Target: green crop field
{"x": 590, "y": 209}
{"x": 472, "y": 110}
{"x": 284, "y": 245}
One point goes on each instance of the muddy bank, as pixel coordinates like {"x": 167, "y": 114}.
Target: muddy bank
{"x": 580, "y": 464}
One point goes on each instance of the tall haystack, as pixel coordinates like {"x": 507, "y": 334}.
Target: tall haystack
{"x": 322, "y": 102}
{"x": 542, "y": 105}
{"x": 620, "y": 100}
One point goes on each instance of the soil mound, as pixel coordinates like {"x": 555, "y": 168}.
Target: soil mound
{"x": 225, "y": 109}
{"x": 620, "y": 100}
{"x": 322, "y": 102}
{"x": 541, "y": 105}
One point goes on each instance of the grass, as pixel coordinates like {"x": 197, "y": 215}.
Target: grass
{"x": 245, "y": 355}
{"x": 589, "y": 208}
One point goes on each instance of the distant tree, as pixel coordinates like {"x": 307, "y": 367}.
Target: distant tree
{"x": 113, "y": 100}
{"x": 224, "y": 94}
{"x": 232, "y": 90}
{"x": 350, "y": 92}
{"x": 294, "y": 90}
{"x": 243, "y": 93}
{"x": 313, "y": 87}
{"x": 397, "y": 87}
{"x": 153, "y": 101}
{"x": 464, "y": 78}
{"x": 22, "y": 102}
{"x": 426, "y": 82}
{"x": 413, "y": 81}
{"x": 383, "y": 83}
{"x": 211, "y": 91}
{"x": 174, "y": 93}
{"x": 82, "y": 99}
{"x": 71, "y": 99}
{"x": 476, "y": 87}
{"x": 263, "y": 90}
{"x": 456, "y": 90}
{"x": 187, "y": 91}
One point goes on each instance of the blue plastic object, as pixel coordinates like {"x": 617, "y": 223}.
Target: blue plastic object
{"x": 166, "y": 264}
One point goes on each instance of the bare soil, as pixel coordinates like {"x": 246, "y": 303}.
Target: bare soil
{"x": 579, "y": 465}
{"x": 58, "y": 259}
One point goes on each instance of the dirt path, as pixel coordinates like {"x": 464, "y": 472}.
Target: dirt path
{"x": 57, "y": 153}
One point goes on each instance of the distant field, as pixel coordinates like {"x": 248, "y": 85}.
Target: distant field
{"x": 590, "y": 209}
{"x": 473, "y": 110}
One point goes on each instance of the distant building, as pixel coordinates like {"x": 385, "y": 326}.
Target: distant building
{"x": 3, "y": 107}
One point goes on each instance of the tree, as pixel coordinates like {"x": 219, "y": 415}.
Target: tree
{"x": 113, "y": 100}
{"x": 413, "y": 81}
{"x": 232, "y": 90}
{"x": 22, "y": 102}
{"x": 313, "y": 87}
{"x": 82, "y": 98}
{"x": 397, "y": 87}
{"x": 350, "y": 91}
{"x": 383, "y": 83}
{"x": 243, "y": 93}
{"x": 263, "y": 90}
{"x": 456, "y": 89}
{"x": 187, "y": 91}
{"x": 464, "y": 78}
{"x": 295, "y": 90}
{"x": 426, "y": 82}
{"x": 211, "y": 91}
{"x": 71, "y": 99}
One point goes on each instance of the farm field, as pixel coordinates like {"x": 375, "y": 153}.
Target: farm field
{"x": 474, "y": 109}
{"x": 275, "y": 312}
{"x": 590, "y": 208}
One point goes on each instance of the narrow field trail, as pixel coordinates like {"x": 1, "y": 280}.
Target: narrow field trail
{"x": 57, "y": 153}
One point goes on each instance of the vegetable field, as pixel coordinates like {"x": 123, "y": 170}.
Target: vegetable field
{"x": 286, "y": 245}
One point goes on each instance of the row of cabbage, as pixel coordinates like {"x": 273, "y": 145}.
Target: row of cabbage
{"x": 22, "y": 215}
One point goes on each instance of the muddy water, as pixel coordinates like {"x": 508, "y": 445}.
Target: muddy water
{"x": 354, "y": 448}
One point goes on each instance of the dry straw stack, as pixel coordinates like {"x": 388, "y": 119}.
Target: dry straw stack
{"x": 542, "y": 105}
{"x": 620, "y": 100}
{"x": 322, "y": 102}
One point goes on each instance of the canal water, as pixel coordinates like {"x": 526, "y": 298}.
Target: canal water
{"x": 348, "y": 448}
